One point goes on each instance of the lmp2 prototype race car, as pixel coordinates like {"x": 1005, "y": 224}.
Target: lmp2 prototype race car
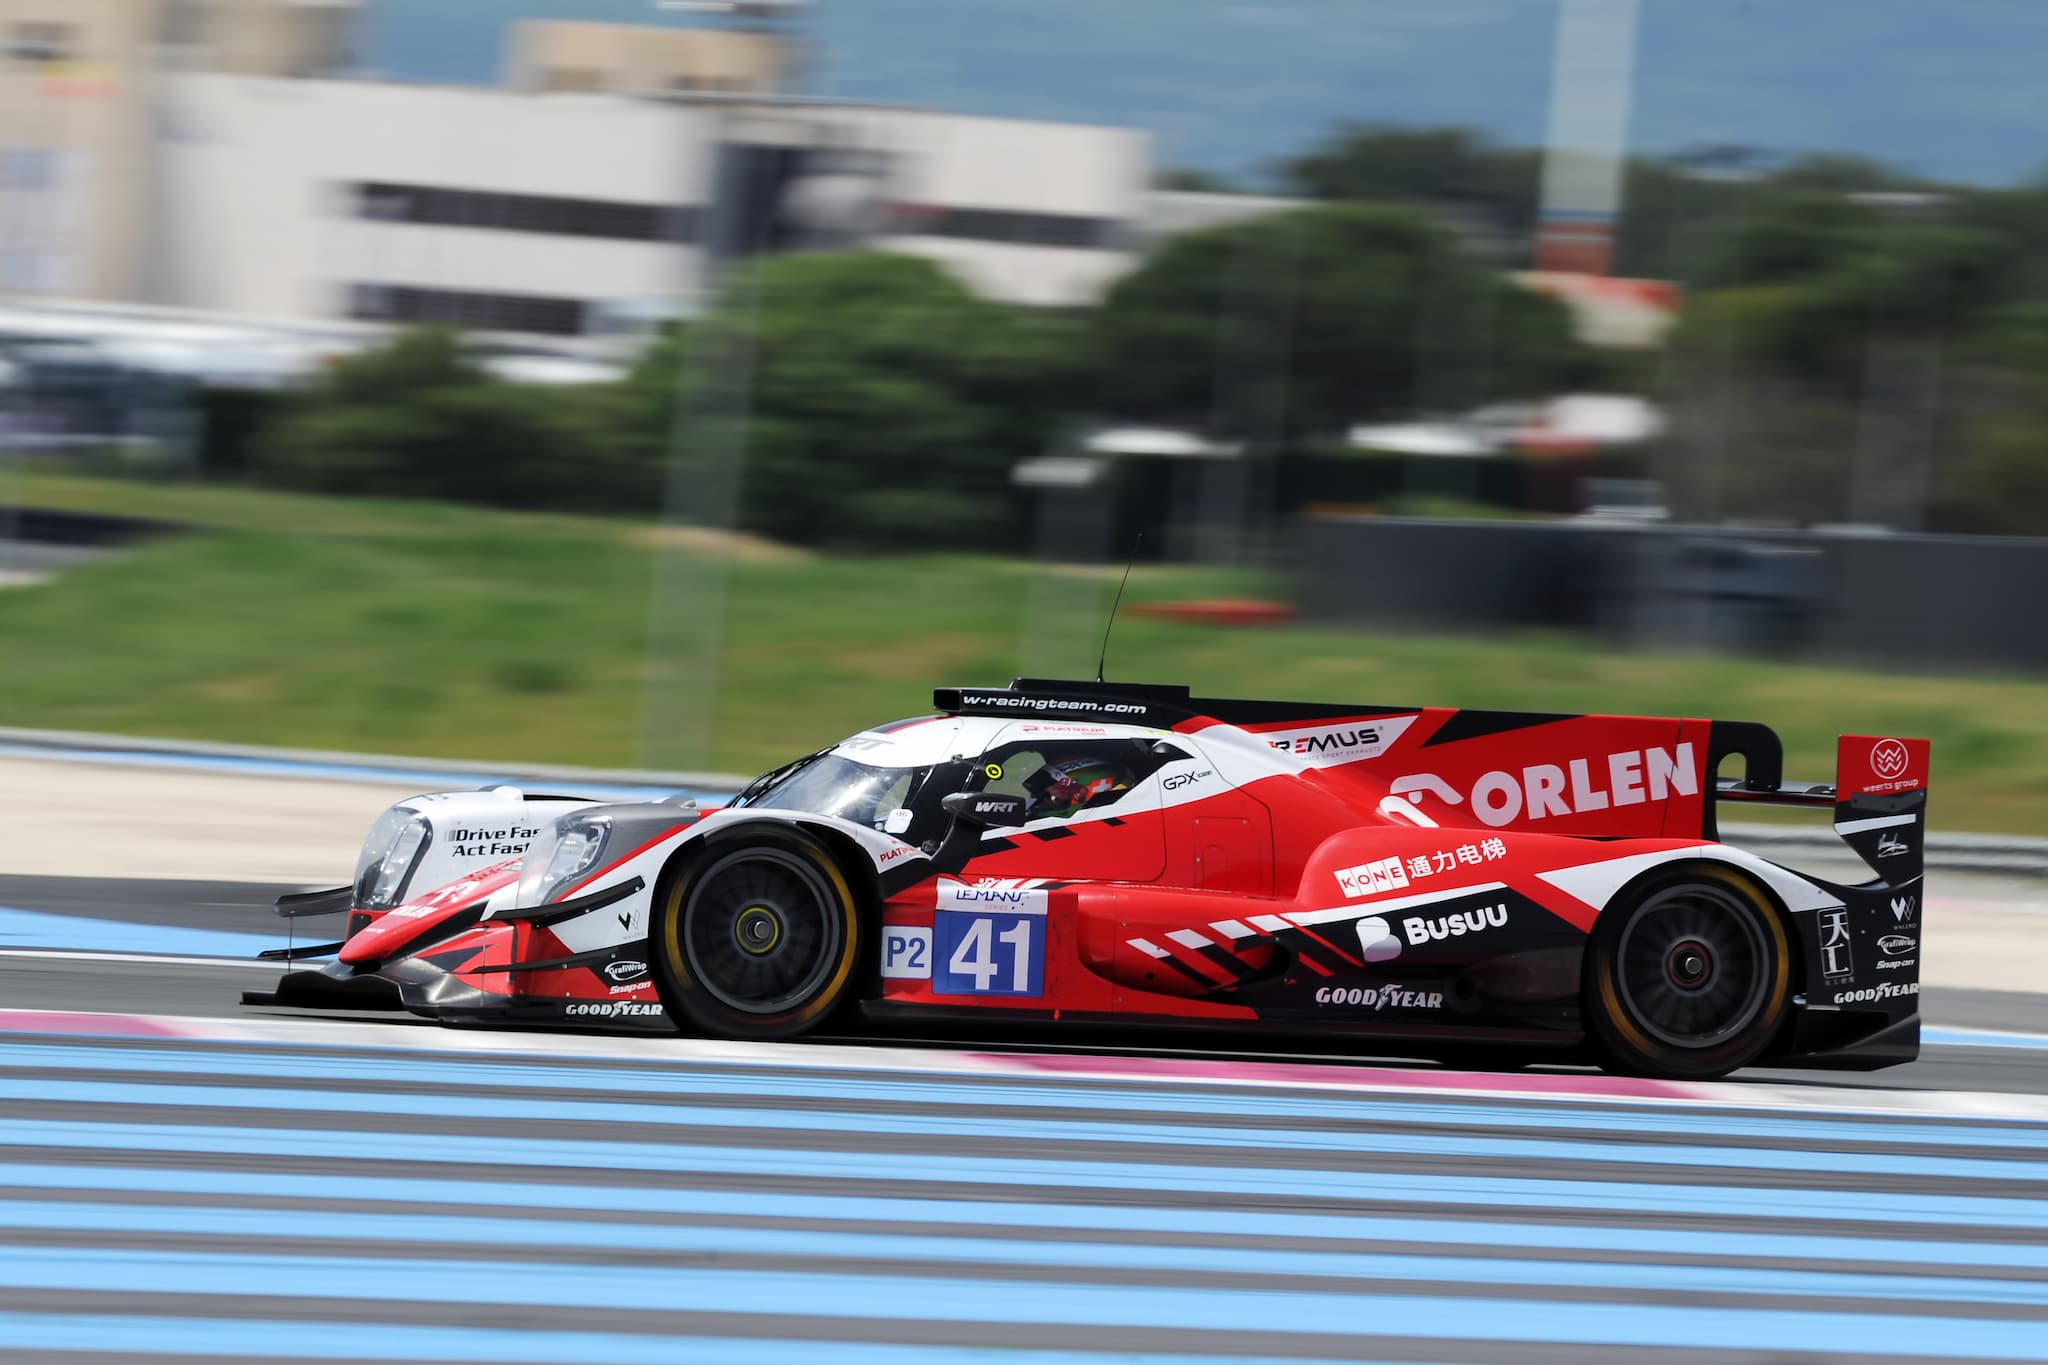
{"x": 1098, "y": 856}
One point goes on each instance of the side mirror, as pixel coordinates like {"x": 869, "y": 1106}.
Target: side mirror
{"x": 988, "y": 809}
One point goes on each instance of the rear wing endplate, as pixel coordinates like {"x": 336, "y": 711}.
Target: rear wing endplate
{"x": 1879, "y": 795}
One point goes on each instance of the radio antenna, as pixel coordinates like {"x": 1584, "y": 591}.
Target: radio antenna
{"x": 1103, "y": 658}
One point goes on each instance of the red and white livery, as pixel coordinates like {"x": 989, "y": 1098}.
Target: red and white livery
{"x": 1099, "y": 856}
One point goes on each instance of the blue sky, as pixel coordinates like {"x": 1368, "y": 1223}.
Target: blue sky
{"x": 1945, "y": 87}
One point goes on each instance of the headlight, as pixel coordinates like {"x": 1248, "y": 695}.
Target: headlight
{"x": 389, "y": 856}
{"x": 562, "y": 855}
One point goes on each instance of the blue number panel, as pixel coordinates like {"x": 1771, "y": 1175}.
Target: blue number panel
{"x": 979, "y": 953}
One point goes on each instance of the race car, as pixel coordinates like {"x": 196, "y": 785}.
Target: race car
{"x": 1101, "y": 856}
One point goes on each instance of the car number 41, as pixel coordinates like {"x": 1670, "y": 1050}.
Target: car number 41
{"x": 981, "y": 954}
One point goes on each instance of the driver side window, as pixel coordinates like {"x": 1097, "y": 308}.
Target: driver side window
{"x": 1060, "y": 780}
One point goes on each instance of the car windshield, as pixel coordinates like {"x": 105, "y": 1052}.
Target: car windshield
{"x": 832, "y": 785}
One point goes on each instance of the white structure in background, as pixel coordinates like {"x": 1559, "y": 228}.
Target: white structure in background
{"x": 550, "y": 213}
{"x": 1168, "y": 213}
{"x": 562, "y": 55}
{"x": 1037, "y": 213}
{"x": 1586, "y": 149}
{"x": 200, "y": 155}
{"x": 78, "y": 194}
{"x": 1623, "y": 314}
{"x": 243, "y": 352}
{"x": 1578, "y": 421}
{"x": 304, "y": 200}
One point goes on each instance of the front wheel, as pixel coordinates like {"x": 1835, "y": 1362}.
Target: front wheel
{"x": 758, "y": 937}
{"x": 1689, "y": 977}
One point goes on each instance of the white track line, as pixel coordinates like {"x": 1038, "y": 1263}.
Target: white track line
{"x": 1128, "y": 1071}
{"x": 158, "y": 959}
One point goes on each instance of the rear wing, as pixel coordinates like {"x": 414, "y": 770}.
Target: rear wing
{"x": 1879, "y": 795}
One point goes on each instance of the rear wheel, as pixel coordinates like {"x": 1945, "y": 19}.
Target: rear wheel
{"x": 758, "y": 937}
{"x": 1689, "y": 977}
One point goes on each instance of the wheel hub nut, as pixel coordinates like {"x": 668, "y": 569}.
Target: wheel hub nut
{"x": 757, "y": 930}
{"x": 1689, "y": 964}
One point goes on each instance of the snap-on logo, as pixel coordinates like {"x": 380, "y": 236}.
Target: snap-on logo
{"x": 1543, "y": 790}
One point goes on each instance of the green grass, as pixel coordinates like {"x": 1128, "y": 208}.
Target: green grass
{"x": 452, "y": 632}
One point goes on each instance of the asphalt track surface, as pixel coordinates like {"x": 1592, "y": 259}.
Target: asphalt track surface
{"x": 186, "y": 1179}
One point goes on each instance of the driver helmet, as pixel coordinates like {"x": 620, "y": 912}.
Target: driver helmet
{"x": 1065, "y": 785}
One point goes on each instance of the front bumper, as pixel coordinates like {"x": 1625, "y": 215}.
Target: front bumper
{"x": 416, "y": 986}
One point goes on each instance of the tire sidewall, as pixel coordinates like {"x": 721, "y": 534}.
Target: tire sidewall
{"x": 689, "y": 1003}
{"x": 1623, "y": 1044}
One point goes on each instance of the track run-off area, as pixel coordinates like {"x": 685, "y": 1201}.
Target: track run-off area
{"x": 187, "y": 1179}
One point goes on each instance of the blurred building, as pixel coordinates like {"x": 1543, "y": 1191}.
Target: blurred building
{"x": 551, "y": 213}
{"x": 550, "y": 56}
{"x": 212, "y": 155}
{"x": 78, "y": 90}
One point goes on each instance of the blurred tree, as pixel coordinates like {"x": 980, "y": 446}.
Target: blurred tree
{"x": 1308, "y": 321}
{"x": 1996, "y": 479}
{"x": 884, "y": 403}
{"x": 1195, "y": 180}
{"x": 1813, "y": 301}
{"x": 1446, "y": 167}
{"x": 419, "y": 417}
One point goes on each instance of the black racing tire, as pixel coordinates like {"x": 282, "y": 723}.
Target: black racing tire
{"x": 1688, "y": 975}
{"x": 757, "y": 936}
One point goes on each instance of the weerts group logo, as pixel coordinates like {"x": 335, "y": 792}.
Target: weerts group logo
{"x": 1879, "y": 765}
{"x": 1889, "y": 759}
